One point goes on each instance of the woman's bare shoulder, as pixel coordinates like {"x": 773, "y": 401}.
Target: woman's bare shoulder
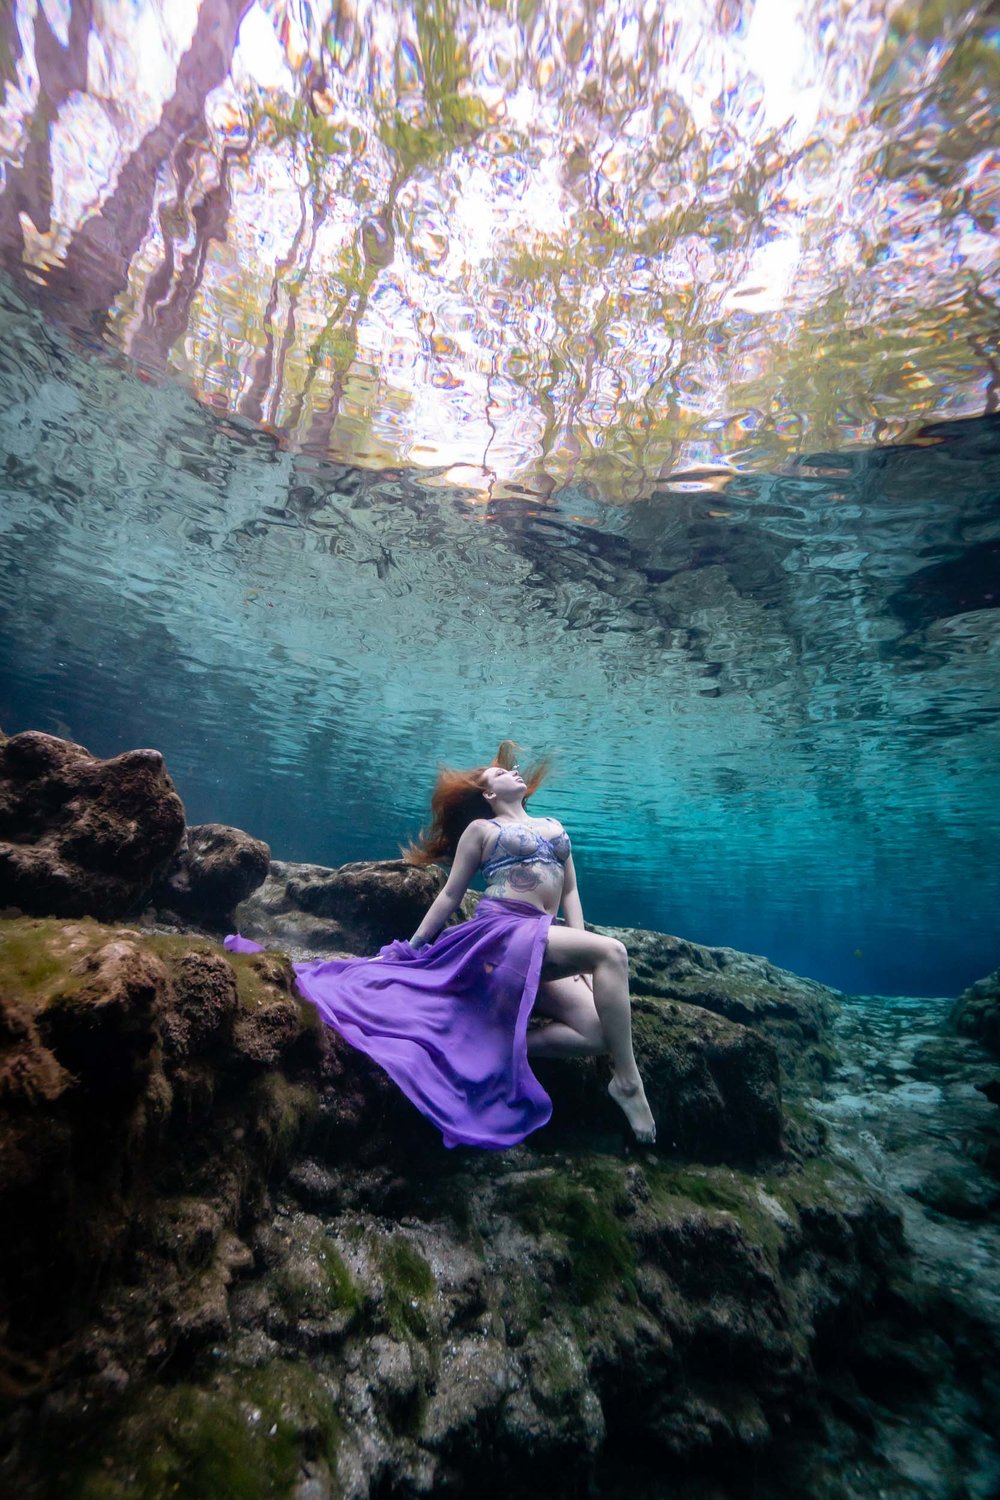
{"x": 477, "y": 829}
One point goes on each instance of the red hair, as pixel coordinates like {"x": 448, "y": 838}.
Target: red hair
{"x": 457, "y": 800}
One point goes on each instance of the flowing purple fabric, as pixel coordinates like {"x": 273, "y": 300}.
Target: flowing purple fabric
{"x": 447, "y": 1022}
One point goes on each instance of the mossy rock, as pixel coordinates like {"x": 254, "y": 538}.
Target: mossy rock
{"x": 314, "y": 1282}
{"x": 38, "y": 955}
{"x": 796, "y": 1014}
{"x": 137, "y": 1070}
{"x": 583, "y": 1210}
{"x": 409, "y": 1285}
{"x": 47, "y": 961}
{"x": 245, "y": 1437}
{"x": 282, "y": 1111}
{"x": 713, "y": 1087}
{"x": 762, "y": 1218}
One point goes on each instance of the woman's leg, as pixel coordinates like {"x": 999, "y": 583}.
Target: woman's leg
{"x": 575, "y": 1029}
{"x": 571, "y": 950}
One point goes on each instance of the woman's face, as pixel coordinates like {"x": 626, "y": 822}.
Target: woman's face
{"x": 503, "y": 783}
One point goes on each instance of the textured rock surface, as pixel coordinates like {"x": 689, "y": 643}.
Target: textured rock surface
{"x": 81, "y": 836}
{"x": 189, "y": 1297}
{"x": 794, "y": 1012}
{"x": 141, "y": 1109}
{"x": 245, "y": 1267}
{"x": 713, "y": 1086}
{"x": 977, "y": 1012}
{"x": 215, "y": 869}
{"x": 310, "y": 909}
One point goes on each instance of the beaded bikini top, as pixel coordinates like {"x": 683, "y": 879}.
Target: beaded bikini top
{"x": 520, "y": 844}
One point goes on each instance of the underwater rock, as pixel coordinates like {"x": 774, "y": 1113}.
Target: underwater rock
{"x": 245, "y": 1265}
{"x": 246, "y": 1434}
{"x": 712, "y": 1084}
{"x": 81, "y": 836}
{"x": 353, "y": 909}
{"x": 958, "y": 1195}
{"x": 529, "y": 1322}
{"x": 215, "y": 869}
{"x": 991, "y": 1090}
{"x": 795, "y": 1013}
{"x": 977, "y": 1012}
{"x": 148, "y": 1086}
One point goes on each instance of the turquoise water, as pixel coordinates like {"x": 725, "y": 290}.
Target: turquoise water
{"x": 365, "y": 400}
{"x": 755, "y": 745}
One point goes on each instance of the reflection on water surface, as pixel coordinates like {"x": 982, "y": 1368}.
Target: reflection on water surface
{"x": 520, "y": 245}
{"x": 334, "y": 342}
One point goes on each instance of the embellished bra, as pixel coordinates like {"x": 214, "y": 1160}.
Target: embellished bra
{"x": 521, "y": 844}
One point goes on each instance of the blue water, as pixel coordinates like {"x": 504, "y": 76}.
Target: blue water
{"x": 773, "y": 728}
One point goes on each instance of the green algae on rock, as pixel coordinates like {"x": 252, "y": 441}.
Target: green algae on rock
{"x": 713, "y": 1084}
{"x": 599, "y": 1303}
{"x": 136, "y": 1078}
{"x": 581, "y": 1210}
{"x": 795, "y": 1013}
{"x": 408, "y": 1283}
{"x": 380, "y": 1314}
{"x": 247, "y": 1435}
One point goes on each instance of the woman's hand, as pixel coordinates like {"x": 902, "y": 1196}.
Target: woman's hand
{"x": 390, "y": 951}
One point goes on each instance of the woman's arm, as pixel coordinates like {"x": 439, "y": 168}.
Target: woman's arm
{"x": 572, "y": 910}
{"x": 468, "y": 857}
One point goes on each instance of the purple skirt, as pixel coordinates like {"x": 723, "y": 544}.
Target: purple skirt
{"x": 447, "y": 1022}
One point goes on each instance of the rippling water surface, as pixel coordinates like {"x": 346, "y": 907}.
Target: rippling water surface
{"x": 379, "y": 381}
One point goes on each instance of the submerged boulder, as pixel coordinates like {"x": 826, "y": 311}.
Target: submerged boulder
{"x": 712, "y": 1084}
{"x": 795, "y": 1013}
{"x": 148, "y": 1086}
{"x": 977, "y": 1012}
{"x": 353, "y": 909}
{"x": 215, "y": 869}
{"x": 80, "y": 836}
{"x": 518, "y": 1319}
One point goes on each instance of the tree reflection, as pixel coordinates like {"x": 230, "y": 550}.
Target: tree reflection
{"x": 537, "y": 242}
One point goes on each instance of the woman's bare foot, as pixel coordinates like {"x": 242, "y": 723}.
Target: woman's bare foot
{"x": 631, "y": 1100}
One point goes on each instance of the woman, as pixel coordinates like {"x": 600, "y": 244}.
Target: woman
{"x": 446, "y": 1014}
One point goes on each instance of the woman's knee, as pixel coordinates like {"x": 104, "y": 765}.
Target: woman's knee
{"x": 615, "y": 954}
{"x": 568, "y": 952}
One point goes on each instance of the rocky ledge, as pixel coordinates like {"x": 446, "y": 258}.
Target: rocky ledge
{"x": 977, "y": 1012}
{"x": 238, "y": 1248}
